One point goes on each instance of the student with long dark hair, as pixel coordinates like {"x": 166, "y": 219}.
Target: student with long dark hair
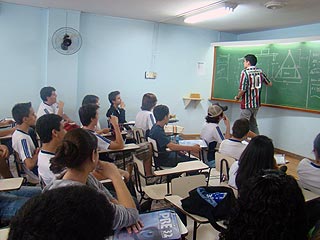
{"x": 270, "y": 206}
{"x": 78, "y": 154}
{"x": 258, "y": 155}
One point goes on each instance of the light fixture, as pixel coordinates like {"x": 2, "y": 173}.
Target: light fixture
{"x": 219, "y": 10}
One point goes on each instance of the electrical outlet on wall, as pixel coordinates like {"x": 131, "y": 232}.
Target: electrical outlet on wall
{"x": 150, "y": 75}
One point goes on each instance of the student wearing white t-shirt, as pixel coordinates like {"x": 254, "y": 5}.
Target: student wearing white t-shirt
{"x": 145, "y": 119}
{"x": 93, "y": 99}
{"x": 211, "y": 132}
{"x": 309, "y": 170}
{"x": 51, "y": 132}
{"x": 89, "y": 117}
{"x": 49, "y": 104}
{"x": 22, "y": 142}
{"x": 233, "y": 146}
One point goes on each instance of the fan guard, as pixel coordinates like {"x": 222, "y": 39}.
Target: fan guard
{"x": 66, "y": 40}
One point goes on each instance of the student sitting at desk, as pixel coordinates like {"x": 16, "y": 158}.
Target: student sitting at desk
{"x": 11, "y": 201}
{"x": 89, "y": 117}
{"x": 233, "y": 146}
{"x": 145, "y": 119}
{"x": 168, "y": 159}
{"x": 76, "y": 212}
{"x": 117, "y": 107}
{"x": 270, "y": 206}
{"x": 51, "y": 132}
{"x": 309, "y": 170}
{"x": 258, "y": 155}
{"x": 78, "y": 153}
{"x": 211, "y": 132}
{"x": 49, "y": 104}
{"x": 93, "y": 99}
{"x": 22, "y": 142}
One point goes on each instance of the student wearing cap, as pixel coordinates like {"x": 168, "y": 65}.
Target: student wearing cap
{"x": 211, "y": 132}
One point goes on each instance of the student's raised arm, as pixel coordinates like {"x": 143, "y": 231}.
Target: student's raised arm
{"x": 227, "y": 123}
{"x": 118, "y": 142}
{"x": 111, "y": 171}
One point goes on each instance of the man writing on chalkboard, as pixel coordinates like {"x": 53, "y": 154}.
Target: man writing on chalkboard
{"x": 251, "y": 81}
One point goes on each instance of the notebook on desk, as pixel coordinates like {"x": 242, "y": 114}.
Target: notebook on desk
{"x": 158, "y": 225}
{"x": 280, "y": 159}
{"x": 9, "y": 184}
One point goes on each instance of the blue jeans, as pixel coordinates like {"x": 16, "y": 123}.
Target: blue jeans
{"x": 12, "y": 201}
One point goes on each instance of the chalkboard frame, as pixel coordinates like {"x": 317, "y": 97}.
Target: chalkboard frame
{"x": 256, "y": 43}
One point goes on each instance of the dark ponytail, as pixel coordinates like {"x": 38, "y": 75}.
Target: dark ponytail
{"x": 76, "y": 147}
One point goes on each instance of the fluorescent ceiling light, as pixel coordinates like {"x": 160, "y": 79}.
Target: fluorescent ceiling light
{"x": 220, "y": 10}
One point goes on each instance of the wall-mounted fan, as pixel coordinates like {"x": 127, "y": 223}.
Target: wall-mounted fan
{"x": 66, "y": 40}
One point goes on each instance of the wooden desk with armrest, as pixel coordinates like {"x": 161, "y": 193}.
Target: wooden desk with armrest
{"x": 9, "y": 184}
{"x": 182, "y": 167}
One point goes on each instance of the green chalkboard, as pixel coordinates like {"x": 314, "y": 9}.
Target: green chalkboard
{"x": 294, "y": 70}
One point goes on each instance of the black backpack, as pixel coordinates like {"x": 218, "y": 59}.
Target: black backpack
{"x": 213, "y": 202}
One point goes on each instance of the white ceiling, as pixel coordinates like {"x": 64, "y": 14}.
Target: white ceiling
{"x": 249, "y": 16}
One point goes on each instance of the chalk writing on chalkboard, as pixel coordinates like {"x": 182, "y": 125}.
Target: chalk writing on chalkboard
{"x": 293, "y": 68}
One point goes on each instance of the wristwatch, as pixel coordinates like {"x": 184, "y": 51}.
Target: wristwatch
{"x": 236, "y": 98}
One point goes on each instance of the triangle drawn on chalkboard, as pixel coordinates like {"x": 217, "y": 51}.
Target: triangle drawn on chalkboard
{"x": 288, "y": 72}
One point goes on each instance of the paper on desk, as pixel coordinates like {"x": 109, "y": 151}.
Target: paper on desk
{"x": 280, "y": 159}
{"x": 193, "y": 142}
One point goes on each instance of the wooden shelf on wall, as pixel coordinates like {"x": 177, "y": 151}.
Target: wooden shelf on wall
{"x": 188, "y": 100}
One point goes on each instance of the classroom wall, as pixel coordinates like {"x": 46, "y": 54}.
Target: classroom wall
{"x": 293, "y": 131}
{"x": 22, "y": 61}
{"x": 117, "y": 52}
